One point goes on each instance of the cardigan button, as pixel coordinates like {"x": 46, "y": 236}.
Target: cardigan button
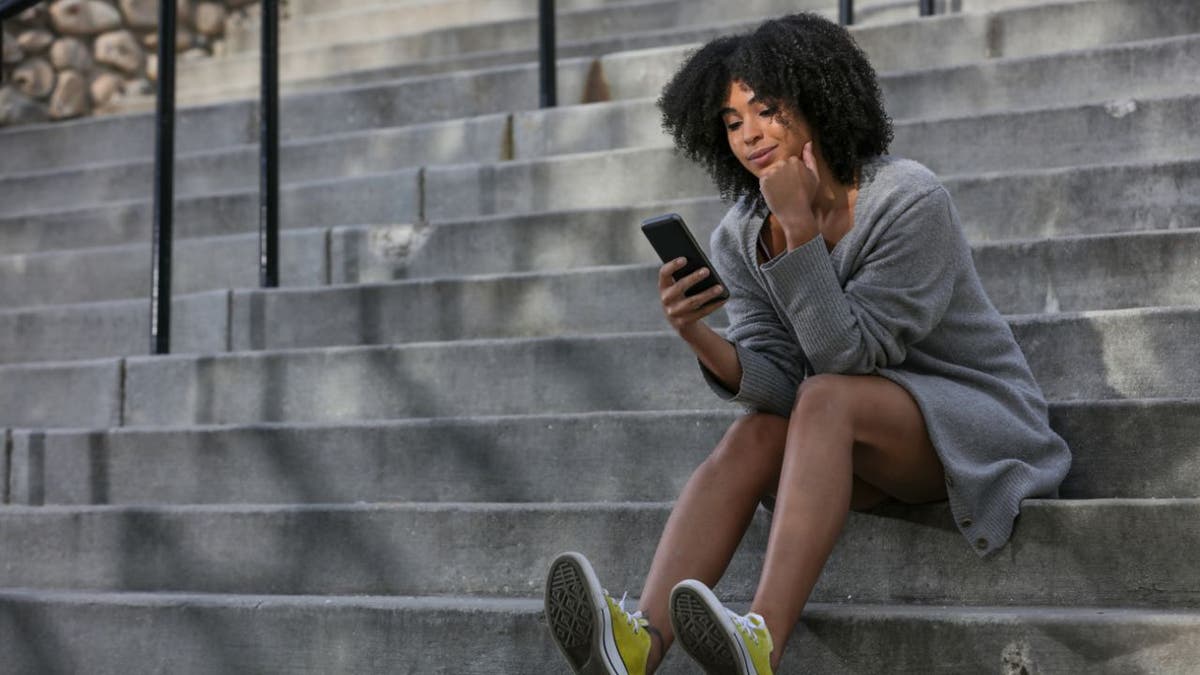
{"x": 981, "y": 544}
{"x": 966, "y": 522}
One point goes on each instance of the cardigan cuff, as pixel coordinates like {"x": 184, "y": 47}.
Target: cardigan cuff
{"x": 763, "y": 387}
{"x": 805, "y": 281}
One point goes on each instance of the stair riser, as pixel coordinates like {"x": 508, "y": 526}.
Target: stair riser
{"x": 199, "y": 324}
{"x": 306, "y": 62}
{"x": 1122, "y": 355}
{"x": 271, "y": 636}
{"x": 384, "y": 21}
{"x": 1137, "y": 70}
{"x": 1104, "y": 357}
{"x": 1155, "y": 129}
{"x": 383, "y": 198}
{"x": 90, "y": 275}
{"x": 1119, "y": 449}
{"x": 1059, "y": 550}
{"x": 1149, "y": 131}
{"x": 937, "y": 87}
{"x": 1108, "y": 198}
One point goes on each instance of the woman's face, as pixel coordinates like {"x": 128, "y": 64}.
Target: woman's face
{"x": 758, "y": 135}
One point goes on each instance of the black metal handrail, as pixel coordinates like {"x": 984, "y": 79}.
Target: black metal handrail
{"x": 548, "y": 77}
{"x": 164, "y": 161}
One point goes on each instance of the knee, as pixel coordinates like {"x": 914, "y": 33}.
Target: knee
{"x": 823, "y": 398}
{"x": 753, "y": 445}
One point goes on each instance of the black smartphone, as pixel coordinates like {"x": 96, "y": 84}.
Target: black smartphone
{"x": 672, "y": 239}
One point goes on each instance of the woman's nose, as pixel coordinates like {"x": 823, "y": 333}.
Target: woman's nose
{"x": 751, "y": 132}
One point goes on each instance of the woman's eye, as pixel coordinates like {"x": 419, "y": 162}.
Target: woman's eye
{"x": 733, "y": 126}
{"x": 767, "y": 112}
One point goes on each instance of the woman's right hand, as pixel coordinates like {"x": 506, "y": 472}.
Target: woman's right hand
{"x": 682, "y": 311}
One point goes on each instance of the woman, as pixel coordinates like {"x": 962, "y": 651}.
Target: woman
{"x": 871, "y": 362}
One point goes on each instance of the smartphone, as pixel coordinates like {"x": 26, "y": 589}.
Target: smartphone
{"x": 670, "y": 237}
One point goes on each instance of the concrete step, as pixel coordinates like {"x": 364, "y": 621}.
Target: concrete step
{"x": 1159, "y": 67}
{"x": 1095, "y": 355}
{"x": 1024, "y": 203}
{"x": 1120, "y": 448}
{"x": 955, "y": 85}
{"x": 369, "y": 199}
{"x": 1022, "y": 30}
{"x": 1054, "y": 275}
{"x": 217, "y": 171}
{"x": 309, "y": 115}
{"x": 368, "y": 21}
{"x": 305, "y": 61}
{"x": 219, "y": 634}
{"x": 299, "y": 8}
{"x": 1060, "y": 548}
{"x": 442, "y": 52}
{"x": 1145, "y": 130}
{"x": 121, "y": 272}
{"x": 593, "y": 32}
{"x": 1066, "y": 135}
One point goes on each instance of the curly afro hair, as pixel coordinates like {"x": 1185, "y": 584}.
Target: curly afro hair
{"x": 803, "y": 64}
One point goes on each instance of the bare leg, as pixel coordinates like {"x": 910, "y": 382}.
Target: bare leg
{"x": 711, "y": 516}
{"x": 841, "y": 426}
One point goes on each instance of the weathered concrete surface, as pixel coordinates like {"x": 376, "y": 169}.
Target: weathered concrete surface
{"x": 217, "y": 634}
{"x": 1121, "y": 448}
{"x": 200, "y": 323}
{"x": 341, "y": 155}
{"x": 78, "y": 394}
{"x": 378, "y": 198}
{"x": 1061, "y": 551}
{"x": 116, "y": 272}
{"x": 1095, "y": 355}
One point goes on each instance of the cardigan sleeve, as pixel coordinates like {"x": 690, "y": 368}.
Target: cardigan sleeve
{"x": 772, "y": 363}
{"x": 895, "y": 296}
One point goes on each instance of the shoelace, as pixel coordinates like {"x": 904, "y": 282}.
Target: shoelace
{"x": 635, "y": 619}
{"x": 749, "y": 624}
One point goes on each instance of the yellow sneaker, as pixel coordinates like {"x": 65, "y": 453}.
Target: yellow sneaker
{"x": 721, "y": 641}
{"x": 592, "y": 630}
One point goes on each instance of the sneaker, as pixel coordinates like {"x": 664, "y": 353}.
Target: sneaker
{"x": 720, "y": 640}
{"x": 596, "y": 634}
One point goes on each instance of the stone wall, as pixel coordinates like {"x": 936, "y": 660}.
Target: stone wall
{"x": 69, "y": 58}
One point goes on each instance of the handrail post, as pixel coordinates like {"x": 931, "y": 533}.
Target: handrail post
{"x": 546, "y": 48}
{"x": 846, "y": 12}
{"x": 164, "y": 183}
{"x": 268, "y": 216}
{"x": 926, "y": 7}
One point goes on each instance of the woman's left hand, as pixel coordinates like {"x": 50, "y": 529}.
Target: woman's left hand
{"x": 789, "y": 188}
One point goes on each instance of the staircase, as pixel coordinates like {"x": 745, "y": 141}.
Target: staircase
{"x": 466, "y": 371}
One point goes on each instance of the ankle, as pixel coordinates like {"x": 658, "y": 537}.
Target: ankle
{"x": 657, "y": 650}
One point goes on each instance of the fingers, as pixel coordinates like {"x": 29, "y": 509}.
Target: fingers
{"x": 691, "y": 308}
{"x": 810, "y": 161}
{"x": 666, "y": 273}
{"x": 676, "y": 289}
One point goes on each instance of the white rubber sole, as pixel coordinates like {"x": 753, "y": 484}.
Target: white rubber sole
{"x": 705, "y": 631}
{"x": 579, "y": 619}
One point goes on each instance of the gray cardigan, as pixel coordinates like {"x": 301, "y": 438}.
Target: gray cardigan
{"x": 899, "y": 297}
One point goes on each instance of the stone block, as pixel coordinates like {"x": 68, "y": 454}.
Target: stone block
{"x": 79, "y": 394}
{"x": 84, "y": 17}
{"x": 70, "y": 98}
{"x": 113, "y": 328}
{"x": 70, "y": 53}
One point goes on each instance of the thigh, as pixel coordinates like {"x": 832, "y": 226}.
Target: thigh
{"x": 892, "y": 450}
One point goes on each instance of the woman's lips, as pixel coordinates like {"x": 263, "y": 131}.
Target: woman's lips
{"x": 762, "y": 158}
